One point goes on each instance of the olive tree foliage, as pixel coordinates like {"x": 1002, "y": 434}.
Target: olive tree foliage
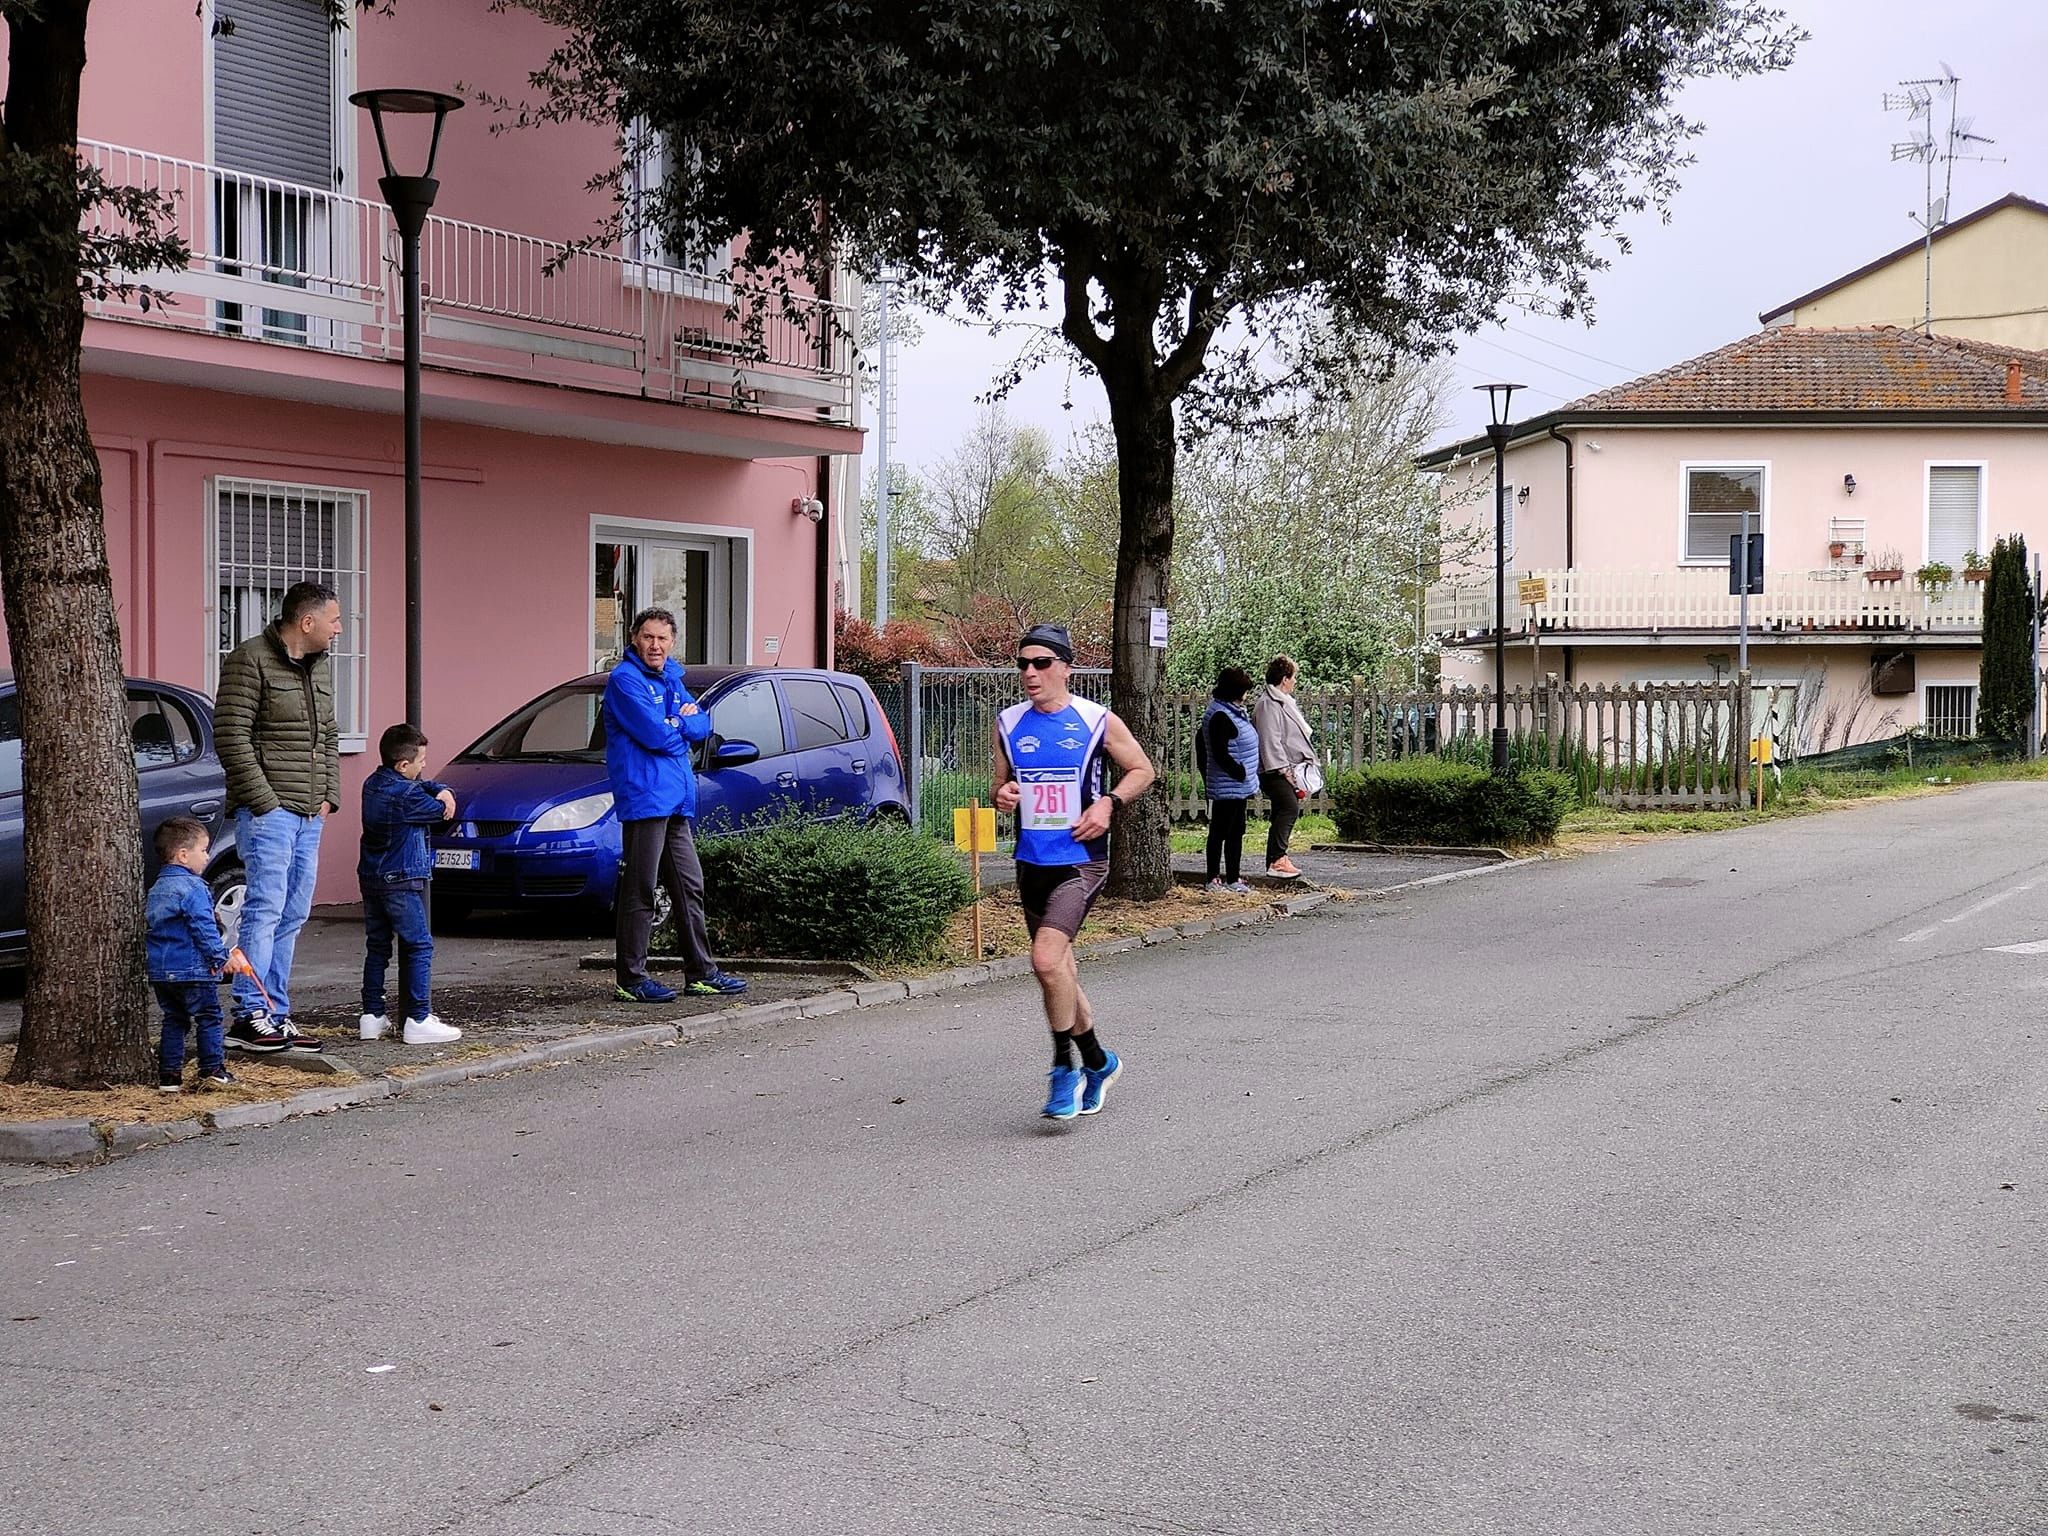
{"x": 1194, "y": 186}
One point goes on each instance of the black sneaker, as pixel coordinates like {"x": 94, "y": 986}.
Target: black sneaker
{"x": 222, "y": 1078}
{"x": 257, "y": 1034}
{"x": 295, "y": 1039}
{"x": 170, "y": 1082}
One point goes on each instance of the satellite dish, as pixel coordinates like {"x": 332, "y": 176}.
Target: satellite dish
{"x": 1938, "y": 214}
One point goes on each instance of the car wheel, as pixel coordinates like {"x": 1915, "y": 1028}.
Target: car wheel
{"x": 891, "y": 816}
{"x": 230, "y": 890}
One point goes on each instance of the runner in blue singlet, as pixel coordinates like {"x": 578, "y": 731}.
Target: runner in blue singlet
{"x": 1049, "y": 753}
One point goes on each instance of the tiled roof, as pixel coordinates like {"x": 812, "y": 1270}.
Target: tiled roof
{"x": 1860, "y": 368}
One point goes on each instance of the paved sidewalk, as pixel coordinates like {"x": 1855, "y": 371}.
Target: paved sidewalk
{"x": 507, "y": 980}
{"x": 510, "y": 979}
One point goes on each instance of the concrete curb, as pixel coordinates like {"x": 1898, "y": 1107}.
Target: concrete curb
{"x": 1447, "y": 878}
{"x": 1499, "y": 855}
{"x": 82, "y": 1142}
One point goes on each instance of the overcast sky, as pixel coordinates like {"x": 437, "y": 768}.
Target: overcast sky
{"x": 1794, "y": 185}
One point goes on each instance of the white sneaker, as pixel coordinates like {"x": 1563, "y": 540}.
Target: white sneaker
{"x": 371, "y": 1026}
{"x": 430, "y": 1031}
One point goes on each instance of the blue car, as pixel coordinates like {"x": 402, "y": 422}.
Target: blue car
{"x": 534, "y": 824}
{"x": 176, "y": 774}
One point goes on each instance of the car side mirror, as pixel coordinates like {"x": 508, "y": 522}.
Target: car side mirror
{"x": 734, "y": 754}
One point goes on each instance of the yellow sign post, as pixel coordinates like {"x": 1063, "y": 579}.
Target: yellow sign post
{"x": 974, "y": 832}
{"x": 1532, "y": 591}
{"x": 1760, "y": 753}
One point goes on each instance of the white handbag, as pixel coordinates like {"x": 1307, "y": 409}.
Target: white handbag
{"x": 1308, "y": 778}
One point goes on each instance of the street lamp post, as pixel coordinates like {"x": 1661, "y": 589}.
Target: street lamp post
{"x": 1497, "y": 433}
{"x": 410, "y": 199}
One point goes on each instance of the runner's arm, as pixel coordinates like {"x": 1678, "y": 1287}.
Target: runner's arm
{"x": 1007, "y": 793}
{"x": 1135, "y": 769}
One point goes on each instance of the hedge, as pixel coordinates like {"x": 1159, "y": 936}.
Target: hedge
{"x": 1430, "y": 800}
{"x": 831, "y": 890}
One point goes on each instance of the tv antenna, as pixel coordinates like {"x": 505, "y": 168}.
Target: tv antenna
{"x": 1924, "y": 102}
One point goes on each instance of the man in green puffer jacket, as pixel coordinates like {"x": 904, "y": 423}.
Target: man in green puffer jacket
{"x": 274, "y": 728}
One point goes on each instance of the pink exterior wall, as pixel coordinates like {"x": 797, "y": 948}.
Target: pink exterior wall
{"x": 506, "y": 550}
{"x": 1629, "y": 518}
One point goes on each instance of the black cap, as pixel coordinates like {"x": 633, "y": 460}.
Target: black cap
{"x": 1053, "y": 637}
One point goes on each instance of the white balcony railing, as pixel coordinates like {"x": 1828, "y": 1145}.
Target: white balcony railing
{"x": 1699, "y": 599}
{"x": 297, "y": 265}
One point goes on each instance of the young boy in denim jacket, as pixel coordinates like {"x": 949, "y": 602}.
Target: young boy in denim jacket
{"x": 186, "y": 956}
{"x": 396, "y": 865}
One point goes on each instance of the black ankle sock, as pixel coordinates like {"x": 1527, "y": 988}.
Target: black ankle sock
{"x": 1092, "y": 1056}
{"x": 1060, "y": 1056}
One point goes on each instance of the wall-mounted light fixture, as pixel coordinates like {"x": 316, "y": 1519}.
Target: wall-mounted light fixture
{"x": 1521, "y": 493}
{"x": 1848, "y": 485}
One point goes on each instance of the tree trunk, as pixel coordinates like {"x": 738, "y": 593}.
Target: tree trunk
{"x": 1140, "y": 859}
{"x": 85, "y": 1016}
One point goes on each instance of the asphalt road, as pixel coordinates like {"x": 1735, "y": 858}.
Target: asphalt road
{"x": 1688, "y": 1188}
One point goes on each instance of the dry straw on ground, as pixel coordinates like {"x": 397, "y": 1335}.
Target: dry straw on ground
{"x": 141, "y": 1104}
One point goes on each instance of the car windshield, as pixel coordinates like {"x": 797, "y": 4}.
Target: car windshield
{"x": 564, "y": 726}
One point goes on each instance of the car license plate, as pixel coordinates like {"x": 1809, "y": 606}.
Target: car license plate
{"x": 455, "y": 858}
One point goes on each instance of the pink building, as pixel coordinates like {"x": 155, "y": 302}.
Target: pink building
{"x": 600, "y": 432}
{"x": 1875, "y": 461}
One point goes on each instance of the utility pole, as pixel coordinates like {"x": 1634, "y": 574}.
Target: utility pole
{"x": 886, "y": 428}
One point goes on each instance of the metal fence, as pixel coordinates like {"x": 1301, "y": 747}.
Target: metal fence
{"x": 1643, "y": 745}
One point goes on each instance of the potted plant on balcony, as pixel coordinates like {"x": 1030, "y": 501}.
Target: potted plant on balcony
{"x": 1934, "y": 576}
{"x": 1975, "y": 567}
{"x": 1837, "y": 548}
{"x": 1890, "y": 566}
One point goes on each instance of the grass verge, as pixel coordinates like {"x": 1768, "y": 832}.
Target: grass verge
{"x": 256, "y": 1081}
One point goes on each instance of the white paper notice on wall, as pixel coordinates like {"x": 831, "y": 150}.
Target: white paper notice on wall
{"x": 771, "y": 645}
{"x": 1158, "y": 629}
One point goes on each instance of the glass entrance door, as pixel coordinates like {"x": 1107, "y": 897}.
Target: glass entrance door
{"x": 689, "y": 577}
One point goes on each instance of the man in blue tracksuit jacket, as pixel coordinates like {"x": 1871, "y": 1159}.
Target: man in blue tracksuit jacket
{"x": 651, "y": 724}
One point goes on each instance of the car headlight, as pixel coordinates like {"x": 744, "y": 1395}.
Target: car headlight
{"x": 574, "y": 815}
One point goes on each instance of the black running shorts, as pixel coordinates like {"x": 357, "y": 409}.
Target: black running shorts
{"x": 1058, "y": 896}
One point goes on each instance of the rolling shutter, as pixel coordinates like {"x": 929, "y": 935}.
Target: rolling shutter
{"x": 1954, "y": 498}
{"x": 273, "y": 90}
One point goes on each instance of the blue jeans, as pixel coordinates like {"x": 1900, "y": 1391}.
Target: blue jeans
{"x": 281, "y": 853}
{"x": 186, "y": 1003}
{"x": 390, "y": 913}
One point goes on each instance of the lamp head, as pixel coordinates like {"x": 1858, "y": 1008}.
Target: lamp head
{"x": 407, "y": 103}
{"x": 1848, "y": 485}
{"x": 1497, "y": 398}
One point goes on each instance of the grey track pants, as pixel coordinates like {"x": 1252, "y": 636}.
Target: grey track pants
{"x": 663, "y": 847}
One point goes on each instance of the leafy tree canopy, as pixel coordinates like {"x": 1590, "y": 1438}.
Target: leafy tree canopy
{"x": 1396, "y": 167}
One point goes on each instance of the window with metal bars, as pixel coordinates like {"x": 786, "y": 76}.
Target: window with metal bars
{"x": 1950, "y": 709}
{"x": 266, "y": 536}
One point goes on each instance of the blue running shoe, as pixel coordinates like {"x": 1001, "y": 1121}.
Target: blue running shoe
{"x": 1064, "y": 1101}
{"x": 717, "y": 984}
{"x": 1099, "y": 1081}
{"x": 646, "y": 990}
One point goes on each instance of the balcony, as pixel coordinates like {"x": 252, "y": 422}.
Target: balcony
{"x": 1629, "y": 607}
{"x": 295, "y": 266}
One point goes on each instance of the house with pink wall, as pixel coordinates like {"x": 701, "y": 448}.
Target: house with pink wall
{"x": 1869, "y": 457}
{"x": 603, "y": 428}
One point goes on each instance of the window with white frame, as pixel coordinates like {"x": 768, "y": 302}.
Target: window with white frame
{"x": 1949, "y": 709}
{"x": 266, "y": 536}
{"x": 652, "y": 160}
{"x": 1955, "y": 512}
{"x": 1717, "y": 497}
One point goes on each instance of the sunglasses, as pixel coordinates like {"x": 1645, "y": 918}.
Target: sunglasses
{"x": 1035, "y": 663}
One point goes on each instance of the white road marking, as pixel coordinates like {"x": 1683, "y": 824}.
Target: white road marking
{"x": 2037, "y": 947}
{"x": 1988, "y": 902}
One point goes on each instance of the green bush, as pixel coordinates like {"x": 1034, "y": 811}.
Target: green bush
{"x": 831, "y": 890}
{"x": 1430, "y": 800}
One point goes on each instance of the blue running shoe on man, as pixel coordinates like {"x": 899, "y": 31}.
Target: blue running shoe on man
{"x": 1064, "y": 1101}
{"x": 717, "y": 984}
{"x": 1099, "y": 1079}
{"x": 646, "y": 990}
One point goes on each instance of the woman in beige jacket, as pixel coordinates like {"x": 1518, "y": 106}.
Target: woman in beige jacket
{"x": 1287, "y": 759}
